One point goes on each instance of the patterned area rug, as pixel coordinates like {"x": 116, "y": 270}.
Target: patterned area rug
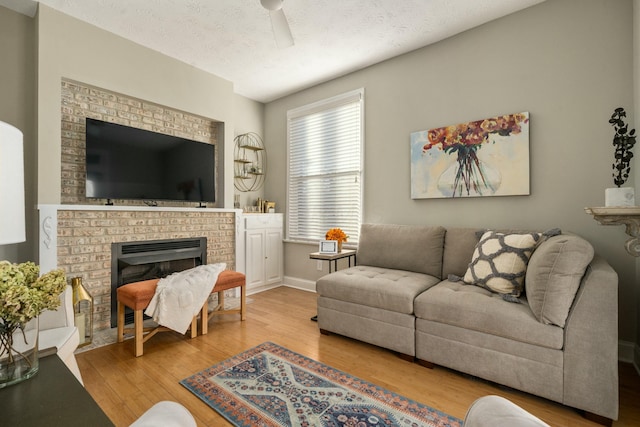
{"x": 269, "y": 385}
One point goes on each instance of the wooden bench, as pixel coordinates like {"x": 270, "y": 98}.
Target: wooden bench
{"x": 226, "y": 280}
{"x": 138, "y": 295}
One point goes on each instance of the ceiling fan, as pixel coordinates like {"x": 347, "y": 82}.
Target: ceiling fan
{"x": 281, "y": 31}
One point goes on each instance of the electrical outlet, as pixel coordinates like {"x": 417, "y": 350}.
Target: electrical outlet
{"x": 319, "y": 266}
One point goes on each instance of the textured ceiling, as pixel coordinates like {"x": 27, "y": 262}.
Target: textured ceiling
{"x": 233, "y": 38}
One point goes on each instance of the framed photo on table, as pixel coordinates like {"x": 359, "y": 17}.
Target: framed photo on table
{"x": 328, "y": 247}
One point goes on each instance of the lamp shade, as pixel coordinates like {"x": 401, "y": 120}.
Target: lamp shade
{"x": 11, "y": 185}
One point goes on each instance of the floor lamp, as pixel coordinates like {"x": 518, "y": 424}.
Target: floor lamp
{"x": 12, "y": 226}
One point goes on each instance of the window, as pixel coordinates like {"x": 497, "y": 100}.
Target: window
{"x": 325, "y": 146}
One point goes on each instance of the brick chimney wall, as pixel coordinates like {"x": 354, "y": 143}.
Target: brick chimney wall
{"x": 84, "y": 236}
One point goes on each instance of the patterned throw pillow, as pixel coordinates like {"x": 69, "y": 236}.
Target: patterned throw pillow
{"x": 499, "y": 262}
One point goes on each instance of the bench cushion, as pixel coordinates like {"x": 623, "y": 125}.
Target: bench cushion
{"x": 137, "y": 295}
{"x": 229, "y": 279}
{"x": 393, "y": 290}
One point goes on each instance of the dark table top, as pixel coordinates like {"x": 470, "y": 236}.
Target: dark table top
{"x": 53, "y": 397}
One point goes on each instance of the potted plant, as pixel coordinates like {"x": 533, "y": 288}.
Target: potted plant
{"x": 338, "y": 235}
{"x": 623, "y": 143}
{"x": 24, "y": 294}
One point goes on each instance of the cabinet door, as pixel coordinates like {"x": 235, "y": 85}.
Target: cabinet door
{"x": 255, "y": 257}
{"x": 273, "y": 256}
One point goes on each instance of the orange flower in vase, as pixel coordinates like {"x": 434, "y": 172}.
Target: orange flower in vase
{"x": 336, "y": 234}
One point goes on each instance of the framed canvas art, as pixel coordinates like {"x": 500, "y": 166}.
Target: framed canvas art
{"x": 488, "y": 157}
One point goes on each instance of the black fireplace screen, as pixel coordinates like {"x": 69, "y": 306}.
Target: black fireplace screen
{"x": 151, "y": 259}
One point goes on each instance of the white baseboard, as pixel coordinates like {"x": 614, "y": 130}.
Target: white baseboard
{"x": 258, "y": 289}
{"x": 629, "y": 352}
{"x": 302, "y": 284}
{"x": 290, "y": 282}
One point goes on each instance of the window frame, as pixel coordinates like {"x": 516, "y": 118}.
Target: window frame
{"x": 354, "y": 96}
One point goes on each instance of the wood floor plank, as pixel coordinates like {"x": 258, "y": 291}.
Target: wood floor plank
{"x": 125, "y": 386}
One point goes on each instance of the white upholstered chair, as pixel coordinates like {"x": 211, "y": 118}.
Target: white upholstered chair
{"x": 166, "y": 414}
{"x": 496, "y": 411}
{"x": 57, "y": 329}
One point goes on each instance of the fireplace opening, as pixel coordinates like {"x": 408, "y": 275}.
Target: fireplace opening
{"x": 151, "y": 259}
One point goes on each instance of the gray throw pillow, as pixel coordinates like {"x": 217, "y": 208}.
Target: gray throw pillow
{"x": 553, "y": 277}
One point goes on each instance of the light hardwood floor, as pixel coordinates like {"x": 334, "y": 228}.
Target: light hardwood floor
{"x": 125, "y": 386}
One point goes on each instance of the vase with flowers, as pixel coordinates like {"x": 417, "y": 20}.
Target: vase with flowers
{"x": 338, "y": 235}
{"x": 623, "y": 142}
{"x": 24, "y": 294}
{"x": 468, "y": 175}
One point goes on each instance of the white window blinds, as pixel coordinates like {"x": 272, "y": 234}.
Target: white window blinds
{"x": 325, "y": 154}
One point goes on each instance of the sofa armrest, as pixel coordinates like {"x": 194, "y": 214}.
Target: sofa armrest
{"x": 591, "y": 343}
{"x": 57, "y": 329}
{"x": 63, "y": 316}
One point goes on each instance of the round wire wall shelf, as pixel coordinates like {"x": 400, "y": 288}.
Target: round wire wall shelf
{"x": 249, "y": 162}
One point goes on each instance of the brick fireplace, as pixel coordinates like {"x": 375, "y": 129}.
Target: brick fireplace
{"x": 77, "y": 235}
{"x": 78, "y": 239}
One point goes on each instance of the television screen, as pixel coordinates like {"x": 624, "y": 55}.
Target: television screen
{"x": 129, "y": 163}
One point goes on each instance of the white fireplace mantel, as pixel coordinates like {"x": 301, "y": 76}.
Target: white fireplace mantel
{"x": 48, "y": 227}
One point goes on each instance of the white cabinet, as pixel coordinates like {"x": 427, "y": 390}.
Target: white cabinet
{"x": 263, "y": 251}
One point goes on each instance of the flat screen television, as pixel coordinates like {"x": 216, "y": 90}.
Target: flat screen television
{"x": 129, "y": 163}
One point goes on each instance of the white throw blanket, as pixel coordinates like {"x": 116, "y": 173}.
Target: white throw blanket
{"x": 181, "y": 295}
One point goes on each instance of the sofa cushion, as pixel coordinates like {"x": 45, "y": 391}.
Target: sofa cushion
{"x": 392, "y": 290}
{"x": 402, "y": 247}
{"x": 500, "y": 261}
{"x": 553, "y": 277}
{"x": 459, "y": 244}
{"x": 478, "y": 309}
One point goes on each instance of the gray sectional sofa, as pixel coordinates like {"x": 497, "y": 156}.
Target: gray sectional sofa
{"x": 412, "y": 292}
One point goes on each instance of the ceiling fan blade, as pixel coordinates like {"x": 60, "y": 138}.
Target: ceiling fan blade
{"x": 281, "y": 30}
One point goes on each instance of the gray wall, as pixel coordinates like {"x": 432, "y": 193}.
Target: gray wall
{"x": 249, "y": 117}
{"x": 17, "y": 107}
{"x": 567, "y": 62}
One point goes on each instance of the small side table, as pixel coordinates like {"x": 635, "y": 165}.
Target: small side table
{"x": 347, "y": 253}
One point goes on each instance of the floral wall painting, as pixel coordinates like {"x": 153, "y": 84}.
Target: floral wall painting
{"x": 488, "y": 157}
